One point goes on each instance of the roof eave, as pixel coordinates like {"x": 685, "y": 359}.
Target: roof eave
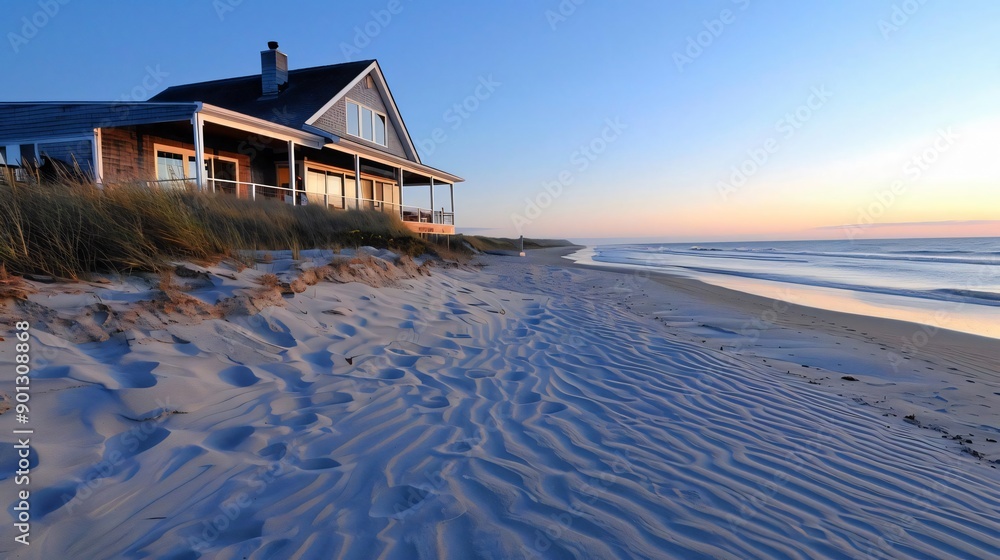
{"x": 271, "y": 129}
{"x": 394, "y": 160}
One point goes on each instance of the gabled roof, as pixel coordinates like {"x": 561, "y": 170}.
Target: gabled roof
{"x": 309, "y": 92}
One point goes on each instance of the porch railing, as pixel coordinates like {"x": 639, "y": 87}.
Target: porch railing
{"x": 254, "y": 191}
{"x": 425, "y": 215}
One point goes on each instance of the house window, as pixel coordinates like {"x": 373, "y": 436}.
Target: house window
{"x": 325, "y": 185}
{"x": 169, "y": 166}
{"x": 24, "y": 159}
{"x": 353, "y": 119}
{"x": 178, "y": 164}
{"x": 379, "y": 129}
{"x": 366, "y": 123}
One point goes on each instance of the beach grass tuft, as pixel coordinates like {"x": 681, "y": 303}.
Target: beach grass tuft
{"x": 12, "y": 286}
{"x": 68, "y": 229}
{"x": 484, "y": 244}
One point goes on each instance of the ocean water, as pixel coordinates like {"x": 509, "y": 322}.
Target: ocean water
{"x": 951, "y": 283}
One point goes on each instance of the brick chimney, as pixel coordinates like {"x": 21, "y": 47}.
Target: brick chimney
{"x": 273, "y": 69}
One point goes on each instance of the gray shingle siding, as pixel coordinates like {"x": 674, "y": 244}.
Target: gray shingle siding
{"x": 335, "y": 119}
{"x": 73, "y": 153}
{"x": 30, "y": 121}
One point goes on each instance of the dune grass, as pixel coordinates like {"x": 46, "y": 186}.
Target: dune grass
{"x": 69, "y": 229}
{"x": 483, "y": 243}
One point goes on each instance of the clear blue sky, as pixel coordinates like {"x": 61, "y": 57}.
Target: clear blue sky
{"x": 892, "y": 75}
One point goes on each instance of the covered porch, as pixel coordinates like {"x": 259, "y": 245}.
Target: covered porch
{"x": 230, "y": 153}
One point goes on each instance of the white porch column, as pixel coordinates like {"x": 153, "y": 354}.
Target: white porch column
{"x": 199, "y": 150}
{"x": 98, "y": 158}
{"x": 357, "y": 181}
{"x": 211, "y": 173}
{"x": 451, "y": 191}
{"x": 399, "y": 209}
{"x": 291, "y": 171}
{"x": 432, "y": 200}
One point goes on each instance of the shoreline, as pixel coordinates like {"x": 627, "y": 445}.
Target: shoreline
{"x": 977, "y": 317}
{"x": 959, "y": 317}
{"x": 947, "y": 380}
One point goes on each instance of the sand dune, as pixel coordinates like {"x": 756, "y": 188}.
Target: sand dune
{"x": 511, "y": 413}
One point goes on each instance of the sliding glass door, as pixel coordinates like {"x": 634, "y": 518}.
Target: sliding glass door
{"x": 325, "y": 187}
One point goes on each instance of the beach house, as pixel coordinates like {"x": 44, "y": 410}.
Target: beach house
{"x": 329, "y": 135}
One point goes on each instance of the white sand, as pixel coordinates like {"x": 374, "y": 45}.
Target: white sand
{"x": 518, "y": 412}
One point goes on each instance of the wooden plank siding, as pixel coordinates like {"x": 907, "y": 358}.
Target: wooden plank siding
{"x": 130, "y": 153}
{"x": 120, "y": 151}
{"x": 35, "y": 121}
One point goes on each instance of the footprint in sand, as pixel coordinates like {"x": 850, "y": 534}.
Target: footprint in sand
{"x": 274, "y": 452}
{"x": 397, "y": 502}
{"x": 402, "y": 360}
{"x": 9, "y": 459}
{"x": 275, "y": 333}
{"x": 137, "y": 375}
{"x": 530, "y": 398}
{"x": 238, "y": 376}
{"x": 47, "y": 500}
{"x": 552, "y": 407}
{"x": 463, "y": 446}
{"x": 133, "y": 442}
{"x": 51, "y": 372}
{"x": 328, "y": 399}
{"x": 346, "y": 329}
{"x": 318, "y": 464}
{"x": 516, "y": 376}
{"x": 437, "y": 401}
{"x": 301, "y": 420}
{"x": 228, "y": 439}
{"x": 322, "y": 360}
{"x": 390, "y": 374}
{"x": 480, "y": 373}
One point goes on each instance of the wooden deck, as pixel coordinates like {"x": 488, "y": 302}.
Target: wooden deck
{"x": 425, "y": 227}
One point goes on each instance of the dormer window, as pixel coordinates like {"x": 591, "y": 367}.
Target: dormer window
{"x": 366, "y": 123}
